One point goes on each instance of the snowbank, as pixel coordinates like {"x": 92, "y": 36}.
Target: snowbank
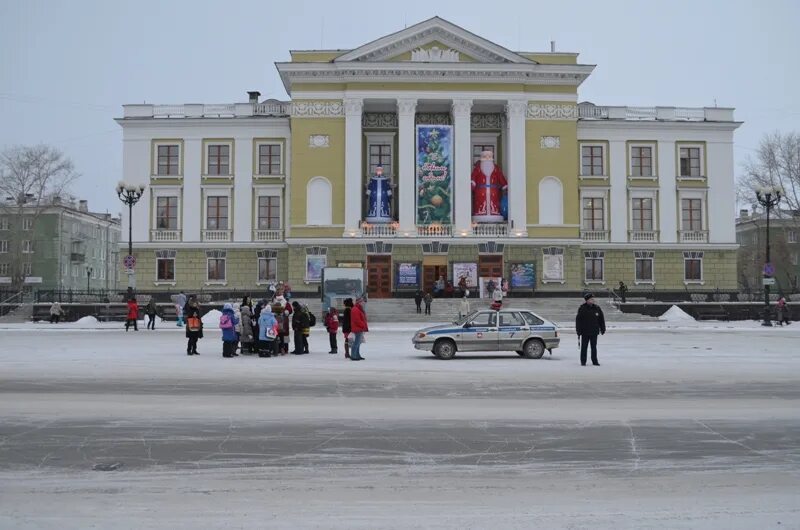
{"x": 676, "y": 314}
{"x": 212, "y": 317}
{"x": 86, "y": 321}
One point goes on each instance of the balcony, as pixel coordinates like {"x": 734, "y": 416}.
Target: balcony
{"x": 635, "y": 236}
{"x": 216, "y": 235}
{"x": 267, "y": 235}
{"x": 379, "y": 230}
{"x": 165, "y": 235}
{"x": 218, "y": 110}
{"x": 594, "y": 235}
{"x": 435, "y": 230}
{"x": 489, "y": 230}
{"x": 588, "y": 111}
{"x": 693, "y": 236}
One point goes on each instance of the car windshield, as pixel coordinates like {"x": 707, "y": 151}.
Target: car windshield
{"x": 463, "y": 320}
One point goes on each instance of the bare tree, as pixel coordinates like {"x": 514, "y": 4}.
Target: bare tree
{"x": 31, "y": 178}
{"x": 776, "y": 164}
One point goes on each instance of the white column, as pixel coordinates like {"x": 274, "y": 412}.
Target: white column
{"x": 352, "y": 164}
{"x": 406, "y": 156}
{"x": 192, "y": 192}
{"x": 517, "y": 168}
{"x": 618, "y": 195}
{"x": 667, "y": 193}
{"x": 243, "y": 189}
{"x": 462, "y": 166}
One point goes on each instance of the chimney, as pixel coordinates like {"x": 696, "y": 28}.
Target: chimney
{"x": 552, "y": 46}
{"x": 254, "y": 94}
{"x": 83, "y": 206}
{"x": 744, "y": 214}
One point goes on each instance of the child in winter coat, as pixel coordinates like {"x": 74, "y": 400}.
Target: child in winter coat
{"x": 228, "y": 323}
{"x": 247, "y": 337}
{"x": 267, "y": 333}
{"x": 332, "y": 325}
{"x": 133, "y": 315}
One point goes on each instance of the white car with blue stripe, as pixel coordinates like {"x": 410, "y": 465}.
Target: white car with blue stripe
{"x": 518, "y": 330}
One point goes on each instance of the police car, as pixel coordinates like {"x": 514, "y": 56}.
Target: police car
{"x": 517, "y": 330}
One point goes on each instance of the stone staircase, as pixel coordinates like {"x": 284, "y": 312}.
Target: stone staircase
{"x": 21, "y": 313}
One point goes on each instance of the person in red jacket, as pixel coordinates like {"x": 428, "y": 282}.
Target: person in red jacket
{"x": 133, "y": 315}
{"x": 358, "y": 326}
{"x": 332, "y": 325}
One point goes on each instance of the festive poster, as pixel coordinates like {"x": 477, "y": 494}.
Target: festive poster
{"x": 523, "y": 275}
{"x": 314, "y": 266}
{"x": 434, "y": 174}
{"x": 553, "y": 267}
{"x": 468, "y": 271}
{"x": 408, "y": 275}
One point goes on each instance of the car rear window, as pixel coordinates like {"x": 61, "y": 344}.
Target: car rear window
{"x": 532, "y": 319}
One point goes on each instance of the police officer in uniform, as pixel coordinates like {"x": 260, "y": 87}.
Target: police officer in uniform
{"x": 588, "y": 324}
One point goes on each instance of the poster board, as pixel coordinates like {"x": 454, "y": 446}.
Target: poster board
{"x": 522, "y": 276}
{"x": 467, "y": 270}
{"x": 408, "y": 275}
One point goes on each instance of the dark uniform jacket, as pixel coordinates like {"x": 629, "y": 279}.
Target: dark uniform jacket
{"x": 590, "y": 320}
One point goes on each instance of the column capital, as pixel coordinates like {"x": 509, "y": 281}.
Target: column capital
{"x": 516, "y": 108}
{"x": 353, "y": 106}
{"x": 406, "y": 106}
{"x": 461, "y": 107}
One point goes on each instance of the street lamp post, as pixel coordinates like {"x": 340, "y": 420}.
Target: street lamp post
{"x": 130, "y": 194}
{"x": 88, "y": 275}
{"x": 768, "y": 198}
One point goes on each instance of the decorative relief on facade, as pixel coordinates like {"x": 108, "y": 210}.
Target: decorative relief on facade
{"x": 430, "y": 118}
{"x": 434, "y": 55}
{"x": 552, "y": 111}
{"x": 319, "y": 140}
{"x": 416, "y": 40}
{"x": 516, "y": 108}
{"x": 487, "y": 121}
{"x": 406, "y": 106}
{"x": 353, "y": 106}
{"x": 317, "y": 109}
{"x": 550, "y": 142}
{"x": 379, "y": 120}
{"x": 461, "y": 107}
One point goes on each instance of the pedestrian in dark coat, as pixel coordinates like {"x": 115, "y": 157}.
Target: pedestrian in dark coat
{"x": 300, "y": 322}
{"x": 194, "y": 325}
{"x": 428, "y": 299}
{"x": 346, "y": 327}
{"x": 248, "y": 336}
{"x": 133, "y": 315}
{"x": 150, "y": 310}
{"x": 588, "y": 324}
{"x": 418, "y": 300}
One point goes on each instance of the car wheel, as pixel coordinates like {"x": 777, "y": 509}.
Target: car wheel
{"x": 534, "y": 349}
{"x": 444, "y": 349}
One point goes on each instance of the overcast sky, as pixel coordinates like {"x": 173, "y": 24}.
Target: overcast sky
{"x": 66, "y": 67}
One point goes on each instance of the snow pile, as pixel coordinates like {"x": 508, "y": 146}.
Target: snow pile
{"x": 212, "y": 317}
{"x": 676, "y": 314}
{"x": 87, "y": 321}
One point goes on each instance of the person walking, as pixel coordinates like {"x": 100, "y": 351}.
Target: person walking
{"x": 623, "y": 290}
{"x": 346, "y": 327}
{"x": 418, "y": 301}
{"x": 133, "y": 315}
{"x": 588, "y": 324}
{"x": 428, "y": 299}
{"x": 300, "y": 322}
{"x": 463, "y": 309}
{"x": 180, "y": 304}
{"x": 227, "y": 323}
{"x": 358, "y": 326}
{"x": 267, "y": 333}
{"x": 332, "y": 325}
{"x": 150, "y": 310}
{"x": 56, "y": 312}
{"x": 247, "y": 338}
{"x": 782, "y": 311}
{"x": 194, "y": 325}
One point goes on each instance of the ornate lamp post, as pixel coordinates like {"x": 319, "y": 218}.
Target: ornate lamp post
{"x": 130, "y": 194}
{"x": 768, "y": 198}
{"x": 88, "y": 276}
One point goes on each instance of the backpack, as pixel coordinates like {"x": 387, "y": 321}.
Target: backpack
{"x": 225, "y": 322}
{"x": 312, "y": 319}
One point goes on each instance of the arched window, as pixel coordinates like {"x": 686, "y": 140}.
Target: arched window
{"x": 551, "y": 201}
{"x": 318, "y": 202}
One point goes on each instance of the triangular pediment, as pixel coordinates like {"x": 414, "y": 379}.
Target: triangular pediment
{"x": 434, "y": 40}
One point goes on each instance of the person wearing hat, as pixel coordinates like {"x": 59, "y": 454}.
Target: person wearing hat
{"x": 588, "y": 324}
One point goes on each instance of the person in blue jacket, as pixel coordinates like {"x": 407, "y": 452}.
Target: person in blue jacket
{"x": 267, "y": 333}
{"x": 227, "y": 323}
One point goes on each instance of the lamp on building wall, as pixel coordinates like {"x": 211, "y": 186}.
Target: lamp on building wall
{"x": 768, "y": 197}
{"x": 130, "y": 194}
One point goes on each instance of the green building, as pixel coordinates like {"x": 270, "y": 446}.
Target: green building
{"x": 751, "y": 231}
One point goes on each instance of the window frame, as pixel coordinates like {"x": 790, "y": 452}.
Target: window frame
{"x": 5, "y": 269}
{"x": 593, "y": 209}
{"x": 3, "y": 223}
{"x": 217, "y": 260}
{"x": 653, "y": 146}
{"x": 159, "y": 279}
{"x": 633, "y": 220}
{"x": 156, "y": 169}
{"x": 27, "y": 246}
{"x": 258, "y": 211}
{"x": 701, "y": 164}
{"x": 603, "y": 146}
{"x": 27, "y": 223}
{"x": 595, "y": 257}
{"x": 257, "y": 144}
{"x": 690, "y": 228}
{"x": 691, "y": 257}
{"x": 215, "y": 160}
{"x": 267, "y": 260}
{"x": 218, "y": 217}
{"x": 642, "y": 256}
{"x": 177, "y": 212}
{"x": 3, "y": 246}
{"x": 27, "y": 269}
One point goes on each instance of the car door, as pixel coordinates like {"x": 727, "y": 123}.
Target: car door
{"x": 512, "y": 331}
{"x": 480, "y": 332}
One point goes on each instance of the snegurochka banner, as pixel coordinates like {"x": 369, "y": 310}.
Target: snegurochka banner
{"x": 434, "y": 174}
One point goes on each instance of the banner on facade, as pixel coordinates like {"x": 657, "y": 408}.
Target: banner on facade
{"x": 468, "y": 271}
{"x": 408, "y": 275}
{"x": 553, "y": 269}
{"x": 523, "y": 276}
{"x": 434, "y": 174}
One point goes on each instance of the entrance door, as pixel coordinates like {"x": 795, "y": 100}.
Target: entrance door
{"x": 490, "y": 266}
{"x": 379, "y": 276}
{"x": 431, "y": 273}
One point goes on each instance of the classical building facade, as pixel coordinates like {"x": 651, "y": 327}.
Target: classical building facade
{"x": 241, "y": 194}
{"x": 784, "y": 235}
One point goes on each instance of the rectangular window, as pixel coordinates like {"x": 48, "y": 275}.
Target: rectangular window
{"x": 793, "y": 258}
{"x": 167, "y": 213}
{"x": 165, "y": 269}
{"x": 594, "y": 269}
{"x": 644, "y": 269}
{"x": 791, "y": 236}
{"x": 693, "y": 269}
{"x": 27, "y": 247}
{"x": 27, "y": 269}
{"x": 477, "y": 149}
{"x": 692, "y": 214}
{"x": 4, "y": 268}
{"x": 642, "y": 214}
{"x": 217, "y": 213}
{"x": 269, "y": 212}
{"x": 216, "y": 269}
{"x": 593, "y": 216}
{"x": 641, "y": 161}
{"x": 168, "y": 160}
{"x": 592, "y": 160}
{"x": 27, "y": 223}
{"x": 3, "y": 223}
{"x": 690, "y": 162}
{"x": 267, "y": 269}
{"x": 380, "y": 155}
{"x": 269, "y": 159}
{"x": 3, "y": 247}
{"x": 219, "y": 159}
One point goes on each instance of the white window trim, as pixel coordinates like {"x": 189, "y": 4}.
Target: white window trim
{"x": 174, "y": 269}
{"x": 268, "y": 191}
{"x": 154, "y": 162}
{"x": 702, "y": 148}
{"x": 4, "y": 246}
{"x": 164, "y": 191}
{"x": 701, "y": 194}
{"x": 484, "y": 138}
{"x": 654, "y": 158}
{"x": 606, "y": 162}
{"x": 206, "y": 145}
{"x": 257, "y": 168}
{"x": 381, "y": 138}
{"x": 27, "y": 246}
{"x": 643, "y": 194}
{"x": 217, "y": 282}
{"x": 702, "y": 280}
{"x": 216, "y": 191}
{"x": 652, "y": 259}
{"x": 600, "y": 193}
{"x": 3, "y": 223}
{"x": 258, "y": 267}
{"x": 27, "y": 224}
{"x": 601, "y": 281}
{"x": 791, "y": 236}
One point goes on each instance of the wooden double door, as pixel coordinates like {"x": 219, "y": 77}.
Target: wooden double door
{"x": 490, "y": 266}
{"x": 379, "y": 276}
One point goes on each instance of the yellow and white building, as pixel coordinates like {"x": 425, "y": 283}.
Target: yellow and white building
{"x": 240, "y": 194}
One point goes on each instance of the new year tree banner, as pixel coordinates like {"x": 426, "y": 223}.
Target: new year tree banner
{"x": 434, "y": 174}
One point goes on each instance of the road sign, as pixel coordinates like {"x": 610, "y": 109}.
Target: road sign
{"x": 769, "y": 281}
{"x": 129, "y": 261}
{"x": 769, "y": 269}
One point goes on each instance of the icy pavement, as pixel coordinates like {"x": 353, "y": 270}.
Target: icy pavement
{"x": 684, "y": 425}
